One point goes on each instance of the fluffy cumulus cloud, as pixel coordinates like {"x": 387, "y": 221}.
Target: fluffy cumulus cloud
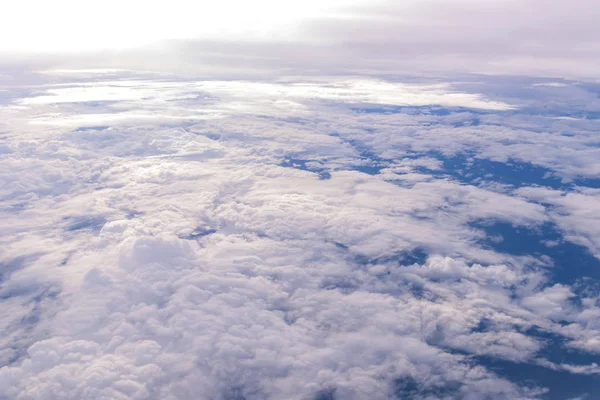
{"x": 333, "y": 238}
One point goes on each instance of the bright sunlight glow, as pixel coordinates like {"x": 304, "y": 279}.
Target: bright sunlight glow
{"x": 75, "y": 25}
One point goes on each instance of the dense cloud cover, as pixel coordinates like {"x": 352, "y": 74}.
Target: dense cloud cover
{"x": 326, "y": 238}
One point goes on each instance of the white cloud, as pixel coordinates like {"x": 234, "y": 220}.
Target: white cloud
{"x": 249, "y": 95}
{"x": 177, "y": 256}
{"x": 574, "y": 212}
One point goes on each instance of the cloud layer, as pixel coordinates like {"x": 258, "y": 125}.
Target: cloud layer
{"x": 173, "y": 239}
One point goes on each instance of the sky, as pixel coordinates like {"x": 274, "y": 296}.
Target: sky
{"x": 69, "y": 25}
{"x": 520, "y": 37}
{"x": 316, "y": 200}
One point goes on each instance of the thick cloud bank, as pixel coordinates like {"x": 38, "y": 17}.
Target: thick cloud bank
{"x": 325, "y": 239}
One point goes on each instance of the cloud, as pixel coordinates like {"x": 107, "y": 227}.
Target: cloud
{"x": 575, "y": 212}
{"x": 279, "y": 250}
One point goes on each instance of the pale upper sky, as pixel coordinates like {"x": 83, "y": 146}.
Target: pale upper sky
{"x": 75, "y": 25}
{"x": 532, "y": 37}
